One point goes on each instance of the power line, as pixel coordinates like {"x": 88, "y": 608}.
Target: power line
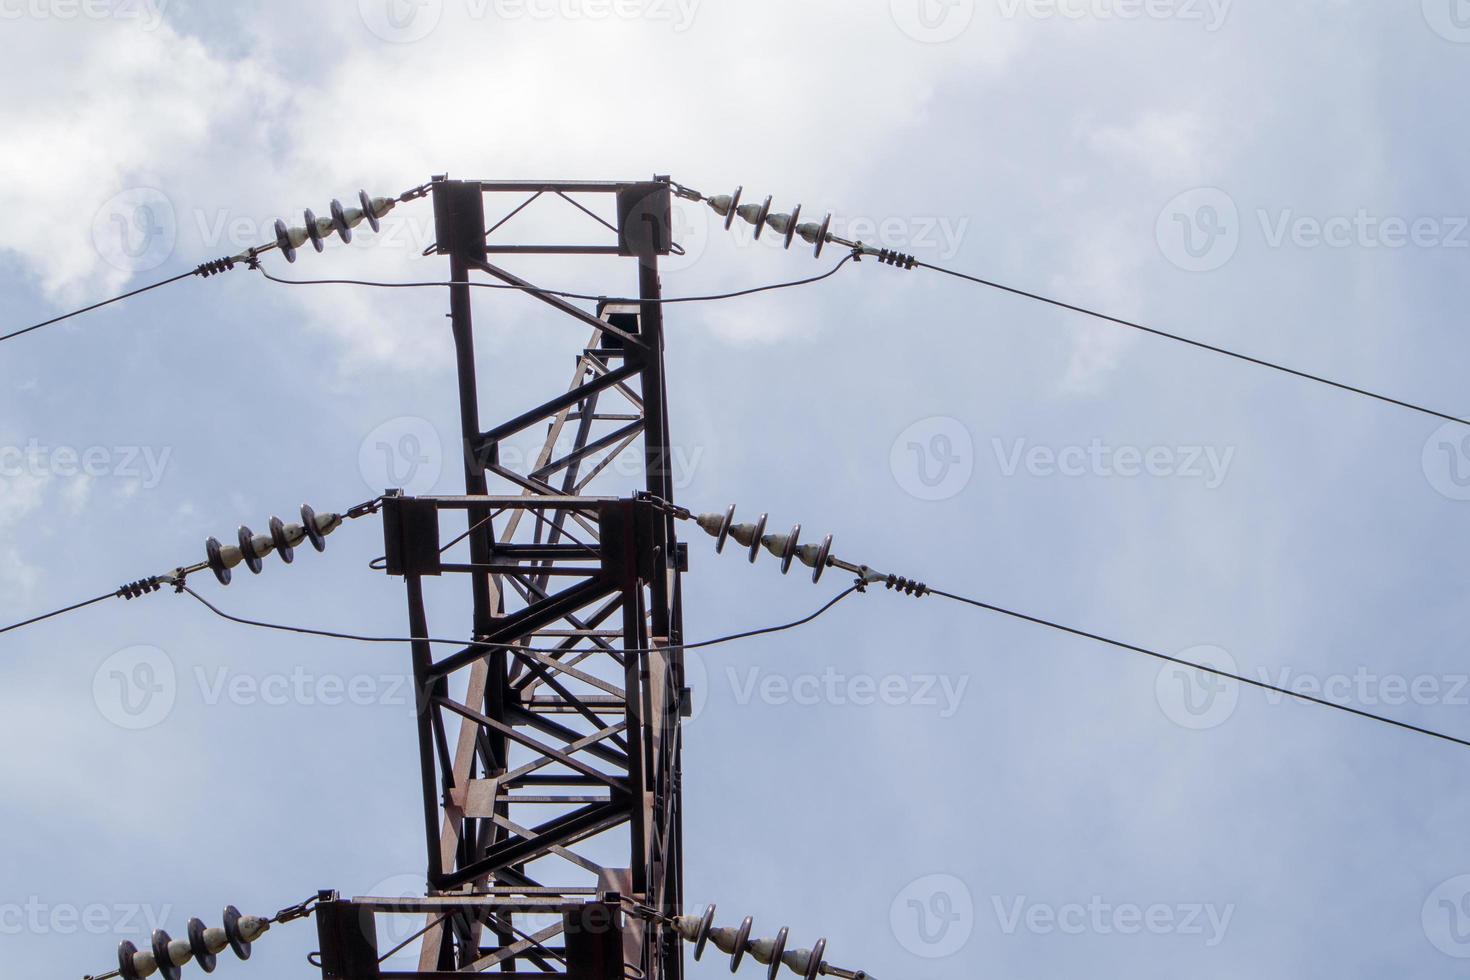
{"x": 97, "y": 306}
{"x": 1038, "y": 621}
{"x": 1260, "y": 362}
{"x": 559, "y": 292}
{"x": 334, "y": 635}
{"x": 58, "y": 612}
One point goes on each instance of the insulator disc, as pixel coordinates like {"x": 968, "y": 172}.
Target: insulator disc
{"x": 791, "y": 225}
{"x": 202, "y": 955}
{"x": 247, "y": 549}
{"x": 822, "y": 236}
{"x": 742, "y": 939}
{"x": 777, "y": 949}
{"x": 725, "y": 529}
{"x": 755, "y": 544}
{"x": 734, "y": 203}
{"x": 313, "y": 533}
{"x": 705, "y": 922}
{"x": 339, "y": 221}
{"x": 314, "y": 232}
{"x": 822, "y": 557}
{"x": 166, "y": 967}
{"x": 790, "y": 551}
{"x": 283, "y": 544}
{"x": 216, "y": 563}
{"x": 125, "y": 965}
{"x": 760, "y": 219}
{"x": 283, "y": 241}
{"x": 367, "y": 211}
{"x": 232, "y": 931}
{"x": 814, "y": 965}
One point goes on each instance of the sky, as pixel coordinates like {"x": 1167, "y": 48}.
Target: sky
{"x": 939, "y": 791}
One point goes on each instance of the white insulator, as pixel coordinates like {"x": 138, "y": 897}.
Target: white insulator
{"x": 720, "y": 204}
{"x": 779, "y": 222}
{"x": 711, "y": 523}
{"x": 263, "y": 544}
{"x": 251, "y": 927}
{"x": 687, "y": 926}
{"x": 144, "y": 963}
{"x": 324, "y": 227}
{"x": 230, "y": 555}
{"x": 776, "y": 543}
{"x": 809, "y": 231}
{"x": 297, "y": 236}
{"x": 799, "y": 960}
{"x": 724, "y": 938}
{"x": 762, "y": 949}
{"x": 215, "y": 939}
{"x": 327, "y": 523}
{"x": 179, "y": 951}
{"x": 382, "y": 205}
{"x": 354, "y": 217}
{"x": 295, "y": 534}
{"x": 750, "y": 212}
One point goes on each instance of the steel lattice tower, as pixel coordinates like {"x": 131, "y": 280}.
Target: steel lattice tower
{"x": 557, "y": 738}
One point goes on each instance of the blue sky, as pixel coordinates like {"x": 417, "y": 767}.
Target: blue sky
{"x": 1282, "y": 178}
